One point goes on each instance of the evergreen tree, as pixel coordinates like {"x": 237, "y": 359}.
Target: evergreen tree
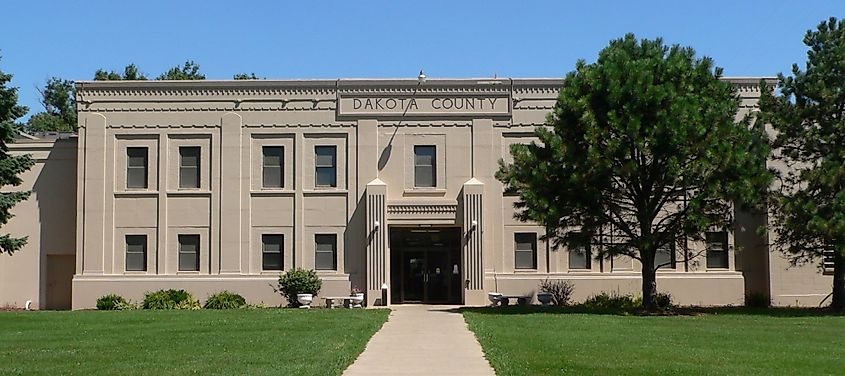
{"x": 11, "y": 166}
{"x": 808, "y": 208}
{"x": 640, "y": 153}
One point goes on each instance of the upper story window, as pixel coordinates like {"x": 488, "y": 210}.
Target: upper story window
{"x": 525, "y": 250}
{"x": 580, "y": 256}
{"x": 325, "y": 162}
{"x": 189, "y": 167}
{"x": 425, "y": 171}
{"x": 136, "y": 167}
{"x": 273, "y": 166}
{"x": 717, "y": 250}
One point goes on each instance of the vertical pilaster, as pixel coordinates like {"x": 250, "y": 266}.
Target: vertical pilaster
{"x": 378, "y": 256}
{"x": 472, "y": 196}
{"x": 230, "y": 251}
{"x": 93, "y": 245}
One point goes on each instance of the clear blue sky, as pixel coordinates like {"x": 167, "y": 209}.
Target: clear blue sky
{"x": 276, "y": 39}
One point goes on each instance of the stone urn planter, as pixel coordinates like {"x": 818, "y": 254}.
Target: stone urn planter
{"x": 305, "y": 300}
{"x": 356, "y": 300}
{"x": 544, "y": 298}
{"x": 494, "y": 297}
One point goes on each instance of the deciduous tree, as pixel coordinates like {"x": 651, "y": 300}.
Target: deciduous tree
{"x": 808, "y": 207}
{"x": 130, "y": 72}
{"x": 642, "y": 147}
{"x": 189, "y": 71}
{"x": 59, "y": 100}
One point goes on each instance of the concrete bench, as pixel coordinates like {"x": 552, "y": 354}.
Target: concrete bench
{"x": 330, "y": 301}
{"x": 522, "y": 300}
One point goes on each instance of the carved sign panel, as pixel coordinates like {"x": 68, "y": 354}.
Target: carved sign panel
{"x": 424, "y": 105}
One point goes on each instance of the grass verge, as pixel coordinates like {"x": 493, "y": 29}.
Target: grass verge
{"x": 538, "y": 341}
{"x": 253, "y": 342}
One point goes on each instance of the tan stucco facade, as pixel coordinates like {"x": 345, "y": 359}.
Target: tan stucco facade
{"x": 375, "y": 128}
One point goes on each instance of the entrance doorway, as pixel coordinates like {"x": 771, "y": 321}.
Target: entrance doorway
{"x": 425, "y": 265}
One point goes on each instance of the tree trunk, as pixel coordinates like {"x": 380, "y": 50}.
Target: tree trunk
{"x": 649, "y": 283}
{"x": 838, "y": 302}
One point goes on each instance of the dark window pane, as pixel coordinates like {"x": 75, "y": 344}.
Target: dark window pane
{"x": 665, "y": 256}
{"x": 272, "y": 252}
{"x": 525, "y": 251}
{"x": 136, "y": 167}
{"x": 717, "y": 250}
{"x": 326, "y": 166}
{"x": 136, "y": 252}
{"x": 326, "y": 177}
{"x": 189, "y": 167}
{"x": 580, "y": 257}
{"x": 425, "y": 166}
{"x": 273, "y": 166}
{"x": 189, "y": 252}
{"x": 325, "y": 252}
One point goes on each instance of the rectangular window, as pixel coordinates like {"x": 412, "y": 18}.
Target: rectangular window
{"x": 136, "y": 167}
{"x": 580, "y": 257}
{"x": 425, "y": 170}
{"x": 136, "y": 253}
{"x": 189, "y": 167}
{"x": 189, "y": 253}
{"x": 827, "y": 260}
{"x": 665, "y": 256}
{"x": 272, "y": 252}
{"x": 717, "y": 250}
{"x": 273, "y": 163}
{"x": 325, "y": 249}
{"x": 325, "y": 162}
{"x": 525, "y": 250}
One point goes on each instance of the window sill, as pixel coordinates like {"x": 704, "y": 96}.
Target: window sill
{"x": 332, "y": 191}
{"x": 424, "y": 192}
{"x": 187, "y": 272}
{"x": 135, "y": 272}
{"x": 192, "y": 192}
{"x": 272, "y": 192}
{"x": 525, "y": 271}
{"x": 138, "y": 193}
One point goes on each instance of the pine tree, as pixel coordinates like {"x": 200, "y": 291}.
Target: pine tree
{"x": 808, "y": 209}
{"x": 11, "y": 166}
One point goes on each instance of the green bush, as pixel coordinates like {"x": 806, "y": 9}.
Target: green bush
{"x": 170, "y": 299}
{"x": 298, "y": 281}
{"x": 111, "y": 302}
{"x": 225, "y": 300}
{"x": 757, "y": 300}
{"x": 612, "y": 302}
{"x": 663, "y": 300}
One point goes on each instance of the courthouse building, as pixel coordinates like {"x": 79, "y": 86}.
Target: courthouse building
{"x": 213, "y": 185}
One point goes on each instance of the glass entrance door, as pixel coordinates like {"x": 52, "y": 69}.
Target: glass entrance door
{"x": 425, "y": 265}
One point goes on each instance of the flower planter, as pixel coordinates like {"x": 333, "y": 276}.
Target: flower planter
{"x": 305, "y": 300}
{"x": 356, "y": 300}
{"x": 544, "y": 298}
{"x": 494, "y": 297}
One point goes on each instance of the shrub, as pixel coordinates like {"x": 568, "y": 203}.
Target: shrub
{"x": 170, "y": 299}
{"x": 111, "y": 302}
{"x": 757, "y": 300}
{"x": 298, "y": 281}
{"x": 560, "y": 290}
{"x": 664, "y": 300}
{"x": 612, "y": 302}
{"x": 225, "y": 300}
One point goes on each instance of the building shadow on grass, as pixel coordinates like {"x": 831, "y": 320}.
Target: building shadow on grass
{"x": 678, "y": 311}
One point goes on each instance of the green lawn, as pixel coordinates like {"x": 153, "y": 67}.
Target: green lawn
{"x": 528, "y": 342}
{"x": 234, "y": 342}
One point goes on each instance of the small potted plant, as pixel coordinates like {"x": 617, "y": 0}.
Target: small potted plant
{"x": 357, "y": 297}
{"x": 298, "y": 286}
{"x": 544, "y": 297}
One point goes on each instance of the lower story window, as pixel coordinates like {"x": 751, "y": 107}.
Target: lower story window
{"x": 525, "y": 250}
{"x": 272, "y": 257}
{"x": 580, "y": 256}
{"x": 136, "y": 253}
{"x": 325, "y": 251}
{"x": 665, "y": 256}
{"x": 189, "y": 253}
{"x": 717, "y": 250}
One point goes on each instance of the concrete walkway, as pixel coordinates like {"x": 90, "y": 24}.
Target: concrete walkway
{"x": 422, "y": 340}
